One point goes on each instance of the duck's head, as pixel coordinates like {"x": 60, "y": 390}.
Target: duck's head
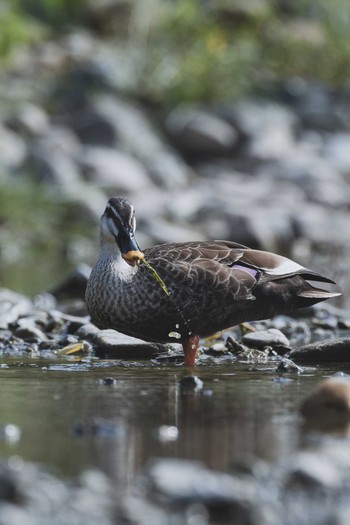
{"x": 118, "y": 224}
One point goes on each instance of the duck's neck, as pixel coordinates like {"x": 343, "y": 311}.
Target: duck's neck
{"x": 111, "y": 255}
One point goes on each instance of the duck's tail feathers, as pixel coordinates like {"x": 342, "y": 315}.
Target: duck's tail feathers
{"x": 314, "y": 295}
{"x": 308, "y": 275}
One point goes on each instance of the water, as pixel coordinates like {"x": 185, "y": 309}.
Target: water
{"x": 243, "y": 412}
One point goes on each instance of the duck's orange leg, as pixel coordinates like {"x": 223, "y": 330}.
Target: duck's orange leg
{"x": 190, "y": 347}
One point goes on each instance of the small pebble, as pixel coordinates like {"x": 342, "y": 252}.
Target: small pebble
{"x": 10, "y": 433}
{"x": 110, "y": 381}
{"x": 190, "y": 384}
{"x": 167, "y": 433}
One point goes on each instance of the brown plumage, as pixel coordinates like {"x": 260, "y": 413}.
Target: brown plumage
{"x": 212, "y": 285}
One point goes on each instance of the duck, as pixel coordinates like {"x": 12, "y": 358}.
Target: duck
{"x": 184, "y": 291}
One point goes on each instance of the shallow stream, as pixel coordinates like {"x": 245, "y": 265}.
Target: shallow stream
{"x": 72, "y": 416}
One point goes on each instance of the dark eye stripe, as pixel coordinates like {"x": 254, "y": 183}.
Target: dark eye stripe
{"x": 111, "y": 213}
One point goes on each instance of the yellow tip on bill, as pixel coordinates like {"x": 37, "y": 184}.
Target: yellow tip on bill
{"x": 133, "y": 257}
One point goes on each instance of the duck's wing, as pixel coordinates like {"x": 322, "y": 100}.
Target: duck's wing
{"x": 272, "y": 267}
{"x": 275, "y": 267}
{"x": 263, "y": 265}
{"x": 210, "y": 264}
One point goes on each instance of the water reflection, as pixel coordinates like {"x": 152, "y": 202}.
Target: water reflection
{"x": 240, "y": 414}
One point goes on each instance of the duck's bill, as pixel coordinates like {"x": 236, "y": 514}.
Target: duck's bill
{"x": 133, "y": 257}
{"x": 131, "y": 252}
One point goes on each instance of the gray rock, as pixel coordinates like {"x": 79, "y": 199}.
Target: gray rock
{"x": 161, "y": 231}
{"x": 336, "y": 349}
{"x": 271, "y": 337}
{"x": 329, "y": 403}
{"x": 274, "y": 143}
{"x": 74, "y": 285}
{"x": 61, "y": 139}
{"x": 318, "y": 179}
{"x": 336, "y": 150}
{"x": 254, "y": 118}
{"x": 112, "y": 169}
{"x": 312, "y": 471}
{"x": 30, "y": 120}
{"x": 317, "y": 108}
{"x": 287, "y": 366}
{"x": 190, "y": 384}
{"x": 97, "y": 427}
{"x": 233, "y": 206}
{"x": 185, "y": 481}
{"x": 13, "y": 149}
{"x": 110, "y": 343}
{"x": 12, "y": 305}
{"x": 318, "y": 228}
{"x": 269, "y": 128}
{"x": 341, "y": 515}
{"x": 73, "y": 322}
{"x": 196, "y": 131}
{"x": 33, "y": 496}
{"x": 135, "y": 135}
{"x": 168, "y": 169}
{"x": 87, "y": 331}
{"x": 54, "y": 167}
{"x": 30, "y": 333}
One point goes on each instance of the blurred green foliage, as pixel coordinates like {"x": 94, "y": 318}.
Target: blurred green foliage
{"x": 33, "y": 235}
{"x": 225, "y": 49}
{"x": 197, "y": 49}
{"x": 16, "y": 29}
{"x": 56, "y": 13}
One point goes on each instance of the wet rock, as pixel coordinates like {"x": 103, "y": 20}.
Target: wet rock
{"x": 329, "y": 405}
{"x": 8, "y": 489}
{"x": 109, "y": 343}
{"x": 195, "y": 131}
{"x": 87, "y": 331}
{"x": 108, "y": 381}
{"x": 271, "y": 337}
{"x": 72, "y": 323}
{"x": 30, "y": 333}
{"x": 182, "y": 482}
{"x": 217, "y": 350}
{"x": 314, "y": 472}
{"x": 33, "y": 496}
{"x": 190, "y": 384}
{"x": 287, "y": 366}
{"x": 10, "y": 433}
{"x": 97, "y": 427}
{"x": 234, "y": 346}
{"x": 20, "y": 348}
{"x": 335, "y": 349}
{"x": 49, "y": 348}
{"x": 167, "y": 433}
